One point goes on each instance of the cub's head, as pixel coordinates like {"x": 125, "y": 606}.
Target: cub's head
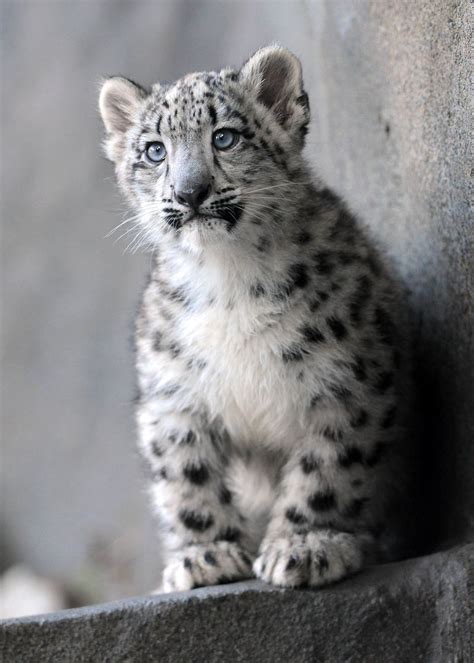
{"x": 212, "y": 156}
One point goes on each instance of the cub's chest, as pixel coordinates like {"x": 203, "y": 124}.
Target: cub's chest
{"x": 233, "y": 335}
{"x": 245, "y": 381}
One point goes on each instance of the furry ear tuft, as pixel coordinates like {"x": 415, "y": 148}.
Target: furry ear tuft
{"x": 119, "y": 102}
{"x": 276, "y": 76}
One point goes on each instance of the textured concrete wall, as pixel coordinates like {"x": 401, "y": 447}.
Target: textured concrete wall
{"x": 388, "y": 82}
{"x": 392, "y": 133}
{"x": 415, "y": 611}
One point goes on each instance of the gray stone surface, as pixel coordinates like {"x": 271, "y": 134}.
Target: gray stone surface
{"x": 392, "y": 133}
{"x": 417, "y": 610}
{"x": 388, "y": 82}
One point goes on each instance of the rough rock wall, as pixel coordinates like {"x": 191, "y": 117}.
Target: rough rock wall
{"x": 393, "y": 128}
{"x": 388, "y": 82}
{"x": 418, "y": 610}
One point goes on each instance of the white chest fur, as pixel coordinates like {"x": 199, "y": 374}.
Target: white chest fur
{"x": 245, "y": 381}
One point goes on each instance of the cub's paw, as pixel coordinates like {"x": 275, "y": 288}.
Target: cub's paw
{"x": 313, "y": 559}
{"x": 206, "y": 564}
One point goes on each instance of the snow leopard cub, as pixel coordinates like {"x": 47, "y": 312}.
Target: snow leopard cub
{"x": 268, "y": 347}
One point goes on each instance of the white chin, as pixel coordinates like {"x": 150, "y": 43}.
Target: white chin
{"x": 195, "y": 235}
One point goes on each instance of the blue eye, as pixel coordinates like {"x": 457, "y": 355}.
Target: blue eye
{"x": 155, "y": 152}
{"x": 224, "y": 138}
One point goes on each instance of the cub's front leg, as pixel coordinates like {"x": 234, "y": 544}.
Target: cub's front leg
{"x": 203, "y": 536}
{"x": 319, "y": 530}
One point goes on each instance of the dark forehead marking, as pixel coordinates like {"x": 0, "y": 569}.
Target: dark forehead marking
{"x": 214, "y": 93}
{"x": 143, "y": 132}
{"x": 212, "y": 113}
{"x": 233, "y": 112}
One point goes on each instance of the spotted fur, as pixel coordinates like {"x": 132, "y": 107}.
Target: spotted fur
{"x": 270, "y": 340}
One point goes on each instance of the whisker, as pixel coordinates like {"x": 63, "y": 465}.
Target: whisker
{"x": 286, "y": 183}
{"x": 127, "y": 232}
{"x": 119, "y": 225}
{"x": 138, "y": 238}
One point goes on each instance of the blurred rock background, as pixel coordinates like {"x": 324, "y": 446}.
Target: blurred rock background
{"x": 389, "y": 86}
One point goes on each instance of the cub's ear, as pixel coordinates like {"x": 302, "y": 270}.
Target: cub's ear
{"x": 275, "y": 75}
{"x": 119, "y": 102}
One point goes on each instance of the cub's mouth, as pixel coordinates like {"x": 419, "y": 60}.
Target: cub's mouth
{"x": 199, "y": 218}
{"x": 224, "y": 216}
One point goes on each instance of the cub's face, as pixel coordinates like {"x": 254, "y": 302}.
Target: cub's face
{"x": 213, "y": 156}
